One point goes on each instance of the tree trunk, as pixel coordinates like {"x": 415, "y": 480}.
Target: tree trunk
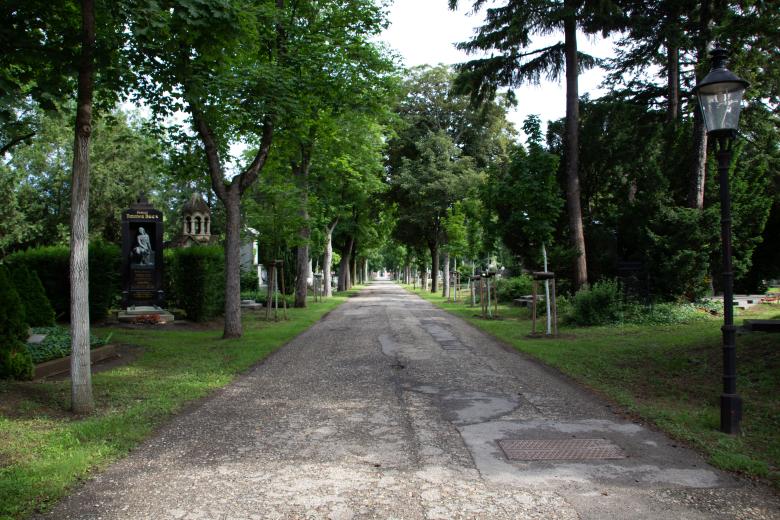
{"x": 673, "y": 84}
{"x": 343, "y": 284}
{"x": 81, "y": 373}
{"x": 445, "y": 270}
{"x": 301, "y": 173}
{"x": 698, "y": 174}
{"x": 699, "y": 163}
{"x": 366, "y": 275}
{"x": 302, "y": 264}
{"x": 232, "y": 202}
{"x": 434, "y": 267}
{"x": 327, "y": 263}
{"x": 572, "y": 149}
{"x": 353, "y": 269}
{"x": 230, "y": 195}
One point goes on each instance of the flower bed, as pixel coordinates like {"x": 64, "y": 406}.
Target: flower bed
{"x": 57, "y": 343}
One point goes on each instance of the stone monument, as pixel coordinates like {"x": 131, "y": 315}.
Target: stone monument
{"x": 142, "y": 263}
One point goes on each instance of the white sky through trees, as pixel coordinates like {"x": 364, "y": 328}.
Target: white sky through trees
{"x": 426, "y": 31}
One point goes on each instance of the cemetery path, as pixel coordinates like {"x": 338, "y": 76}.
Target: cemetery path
{"x": 392, "y": 408}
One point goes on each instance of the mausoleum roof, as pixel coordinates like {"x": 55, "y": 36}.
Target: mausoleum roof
{"x": 196, "y": 204}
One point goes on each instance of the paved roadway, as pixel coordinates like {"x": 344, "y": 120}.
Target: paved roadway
{"x": 391, "y": 408}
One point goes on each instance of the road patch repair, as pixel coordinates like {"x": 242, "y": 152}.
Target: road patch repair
{"x": 391, "y": 408}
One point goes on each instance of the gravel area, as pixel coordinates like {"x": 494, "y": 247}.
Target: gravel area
{"x": 390, "y": 408}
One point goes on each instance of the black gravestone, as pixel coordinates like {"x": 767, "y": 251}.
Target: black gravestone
{"x": 142, "y": 255}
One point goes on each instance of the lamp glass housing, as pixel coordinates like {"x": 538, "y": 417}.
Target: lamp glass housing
{"x": 721, "y": 104}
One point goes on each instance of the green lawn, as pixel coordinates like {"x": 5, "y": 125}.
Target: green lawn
{"x": 44, "y": 449}
{"x": 668, "y": 375}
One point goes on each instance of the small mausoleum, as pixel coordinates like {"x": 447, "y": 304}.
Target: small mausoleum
{"x": 196, "y": 222}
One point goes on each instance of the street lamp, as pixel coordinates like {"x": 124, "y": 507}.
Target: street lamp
{"x": 720, "y": 97}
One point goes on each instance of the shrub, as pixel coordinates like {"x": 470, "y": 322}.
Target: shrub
{"x": 664, "y": 313}
{"x": 605, "y": 304}
{"x": 198, "y": 279}
{"x": 37, "y": 308}
{"x": 249, "y": 280}
{"x": 262, "y": 297}
{"x": 509, "y": 289}
{"x": 600, "y": 304}
{"x": 51, "y": 264}
{"x": 15, "y": 361}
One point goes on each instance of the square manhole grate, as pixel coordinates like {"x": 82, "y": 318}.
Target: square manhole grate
{"x": 560, "y": 449}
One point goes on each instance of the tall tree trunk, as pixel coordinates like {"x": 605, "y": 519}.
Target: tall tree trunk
{"x": 445, "y": 270}
{"x": 230, "y": 193}
{"x": 699, "y": 163}
{"x": 673, "y": 83}
{"x": 353, "y": 268}
{"x": 434, "y": 247}
{"x": 327, "y": 263}
{"x": 81, "y": 373}
{"x": 572, "y": 148}
{"x": 344, "y": 284}
{"x": 233, "y": 327}
{"x": 366, "y": 275}
{"x": 301, "y": 173}
{"x": 698, "y": 174}
{"x": 302, "y": 257}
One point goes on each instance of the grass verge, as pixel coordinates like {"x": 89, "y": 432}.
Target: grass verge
{"x": 668, "y": 375}
{"x": 44, "y": 449}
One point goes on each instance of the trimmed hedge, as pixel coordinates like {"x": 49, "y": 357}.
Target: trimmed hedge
{"x": 197, "y": 278}
{"x": 51, "y": 264}
{"x": 15, "y": 360}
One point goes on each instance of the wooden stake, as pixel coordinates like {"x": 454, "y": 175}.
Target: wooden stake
{"x": 554, "y": 309}
{"x": 284, "y": 299}
{"x": 533, "y": 308}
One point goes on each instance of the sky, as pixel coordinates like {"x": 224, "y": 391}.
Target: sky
{"x": 425, "y": 31}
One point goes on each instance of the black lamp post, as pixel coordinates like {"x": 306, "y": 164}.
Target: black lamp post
{"x": 720, "y": 97}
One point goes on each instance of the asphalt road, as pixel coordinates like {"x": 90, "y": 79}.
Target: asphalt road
{"x": 391, "y": 408}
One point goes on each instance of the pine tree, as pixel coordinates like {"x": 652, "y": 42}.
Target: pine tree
{"x": 37, "y": 308}
{"x": 15, "y": 359}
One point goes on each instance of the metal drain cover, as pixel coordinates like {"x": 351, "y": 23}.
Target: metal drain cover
{"x": 560, "y": 449}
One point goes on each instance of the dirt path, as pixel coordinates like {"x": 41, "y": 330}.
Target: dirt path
{"x": 391, "y": 408}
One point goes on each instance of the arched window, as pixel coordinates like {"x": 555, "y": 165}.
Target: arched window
{"x": 206, "y": 229}
{"x": 189, "y": 225}
{"x": 197, "y": 225}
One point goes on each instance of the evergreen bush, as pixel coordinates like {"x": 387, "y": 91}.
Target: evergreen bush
{"x": 15, "y": 360}
{"x": 249, "y": 280}
{"x": 37, "y": 308}
{"x": 605, "y": 304}
{"x": 198, "y": 276}
{"x": 509, "y": 289}
{"x": 600, "y": 304}
{"x": 51, "y": 265}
